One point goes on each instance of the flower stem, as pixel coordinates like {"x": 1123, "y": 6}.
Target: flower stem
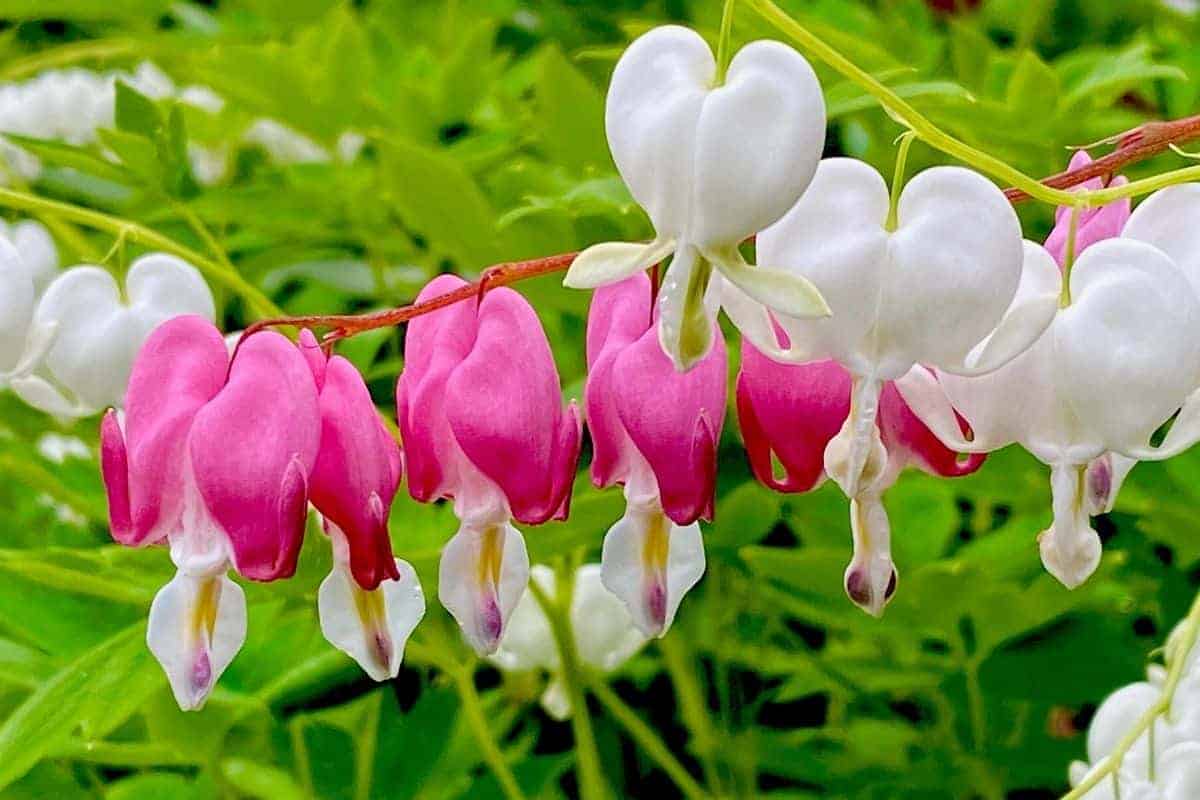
{"x": 464, "y": 682}
{"x": 691, "y": 705}
{"x": 222, "y": 273}
{"x": 1111, "y": 765}
{"x": 592, "y": 785}
{"x": 723, "y": 41}
{"x": 906, "y": 140}
{"x": 1064, "y": 299}
{"x": 648, "y": 740}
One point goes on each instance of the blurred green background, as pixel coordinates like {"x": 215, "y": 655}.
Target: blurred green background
{"x": 477, "y": 137}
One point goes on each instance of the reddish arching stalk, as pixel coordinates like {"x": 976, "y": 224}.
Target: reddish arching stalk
{"x": 1136, "y": 145}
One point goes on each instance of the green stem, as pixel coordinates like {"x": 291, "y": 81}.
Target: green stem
{"x": 906, "y": 140}
{"x": 1064, "y": 299}
{"x": 904, "y": 113}
{"x": 1178, "y": 660}
{"x": 647, "y": 739}
{"x": 592, "y": 785}
{"x": 691, "y": 705}
{"x": 224, "y": 274}
{"x": 723, "y": 41}
{"x": 464, "y": 682}
{"x": 976, "y": 707}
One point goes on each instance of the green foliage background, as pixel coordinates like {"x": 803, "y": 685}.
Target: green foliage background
{"x": 485, "y": 143}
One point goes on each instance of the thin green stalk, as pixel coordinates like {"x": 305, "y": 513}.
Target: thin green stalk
{"x": 1064, "y": 299}
{"x": 1178, "y": 660}
{"x": 976, "y": 707}
{"x": 692, "y": 706}
{"x": 224, "y": 274}
{"x": 723, "y": 41}
{"x": 464, "y": 682}
{"x": 592, "y": 785}
{"x": 647, "y": 740}
{"x": 905, "y": 114}
{"x": 73, "y": 53}
{"x": 906, "y": 140}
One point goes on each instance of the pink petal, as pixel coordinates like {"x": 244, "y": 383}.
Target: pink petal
{"x": 619, "y": 314}
{"x": 434, "y": 345}
{"x": 908, "y": 441}
{"x": 357, "y": 472}
{"x": 253, "y": 447}
{"x": 504, "y": 406}
{"x": 1095, "y": 224}
{"x": 181, "y": 367}
{"x": 674, "y": 419}
{"x": 788, "y": 414}
{"x": 310, "y": 348}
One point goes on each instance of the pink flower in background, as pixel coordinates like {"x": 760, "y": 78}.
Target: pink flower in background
{"x": 790, "y": 413}
{"x": 214, "y": 459}
{"x": 1095, "y": 224}
{"x": 371, "y": 602}
{"x": 655, "y": 430}
{"x": 482, "y": 421}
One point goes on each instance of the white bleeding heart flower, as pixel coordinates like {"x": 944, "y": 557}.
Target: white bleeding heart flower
{"x": 936, "y": 284}
{"x": 604, "y": 633}
{"x": 711, "y": 165}
{"x": 98, "y": 329}
{"x": 22, "y": 343}
{"x": 1114, "y": 366}
{"x": 36, "y": 247}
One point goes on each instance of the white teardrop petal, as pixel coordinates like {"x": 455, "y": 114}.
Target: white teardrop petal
{"x": 528, "y": 641}
{"x": 372, "y": 627}
{"x": 482, "y": 576}
{"x": 1070, "y": 548}
{"x": 605, "y": 635}
{"x": 611, "y": 262}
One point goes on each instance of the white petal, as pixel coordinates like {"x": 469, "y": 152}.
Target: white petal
{"x": 43, "y": 395}
{"x": 1117, "y": 715}
{"x": 605, "y": 635}
{"x": 37, "y": 249}
{"x": 688, "y": 302}
{"x": 834, "y": 237}
{"x": 870, "y": 579}
{"x": 926, "y": 396}
{"x": 372, "y": 627}
{"x": 650, "y": 564}
{"x": 1179, "y": 771}
{"x": 16, "y": 305}
{"x": 528, "y": 641}
{"x": 752, "y": 321}
{"x": 482, "y": 575}
{"x": 759, "y": 141}
{"x": 1032, "y": 310}
{"x": 1126, "y": 347}
{"x": 956, "y": 262}
{"x": 197, "y": 625}
{"x": 1070, "y": 548}
{"x": 1166, "y": 219}
{"x": 651, "y": 116}
{"x": 612, "y": 262}
{"x": 556, "y": 700}
{"x": 855, "y": 457}
{"x": 777, "y": 289}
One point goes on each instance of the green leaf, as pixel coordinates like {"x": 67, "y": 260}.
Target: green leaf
{"x": 136, "y": 113}
{"x": 92, "y": 695}
{"x": 570, "y": 114}
{"x": 260, "y": 781}
{"x": 1033, "y": 88}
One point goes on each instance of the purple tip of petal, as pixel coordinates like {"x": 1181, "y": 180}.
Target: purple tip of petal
{"x": 382, "y": 644}
{"x": 858, "y": 588}
{"x": 656, "y": 602}
{"x": 202, "y": 675}
{"x": 891, "y": 586}
{"x": 491, "y": 621}
{"x": 1099, "y": 478}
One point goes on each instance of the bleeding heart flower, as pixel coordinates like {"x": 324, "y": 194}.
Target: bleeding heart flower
{"x": 936, "y": 284}
{"x": 371, "y": 602}
{"x": 789, "y": 413}
{"x": 22, "y": 344}
{"x": 481, "y": 418}
{"x": 1113, "y": 367}
{"x": 712, "y": 165}
{"x": 655, "y": 430}
{"x": 1094, "y": 224}
{"x": 604, "y": 634}
{"x": 98, "y": 330}
{"x": 36, "y": 247}
{"x": 214, "y": 459}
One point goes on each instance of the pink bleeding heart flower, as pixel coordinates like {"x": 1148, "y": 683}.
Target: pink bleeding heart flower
{"x": 370, "y": 602}
{"x": 655, "y": 430}
{"x": 1106, "y": 473}
{"x": 482, "y": 422}
{"x": 213, "y": 458}
{"x": 1094, "y": 224}
{"x": 789, "y": 414}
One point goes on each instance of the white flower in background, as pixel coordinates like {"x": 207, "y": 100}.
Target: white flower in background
{"x": 58, "y": 448}
{"x": 36, "y": 247}
{"x": 605, "y": 636}
{"x": 97, "y": 329}
{"x": 23, "y": 343}
{"x": 1169, "y": 771}
{"x": 711, "y": 165}
{"x": 1113, "y": 367}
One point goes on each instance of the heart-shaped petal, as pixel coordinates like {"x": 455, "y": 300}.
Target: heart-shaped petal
{"x": 17, "y": 296}
{"x": 99, "y": 333}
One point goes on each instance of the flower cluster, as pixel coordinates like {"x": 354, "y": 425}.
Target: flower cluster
{"x": 890, "y": 327}
{"x": 1160, "y": 765}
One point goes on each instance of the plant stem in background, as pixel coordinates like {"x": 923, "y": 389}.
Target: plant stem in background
{"x": 692, "y": 707}
{"x": 464, "y": 682}
{"x": 723, "y": 41}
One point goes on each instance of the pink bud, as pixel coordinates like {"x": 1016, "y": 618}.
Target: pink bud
{"x": 480, "y": 398}
{"x": 215, "y": 456}
{"x": 641, "y": 410}
{"x": 1095, "y": 224}
{"x": 357, "y": 470}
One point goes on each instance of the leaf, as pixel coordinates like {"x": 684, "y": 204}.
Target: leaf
{"x": 92, "y": 694}
{"x": 135, "y": 113}
{"x": 260, "y": 781}
{"x": 570, "y": 114}
{"x": 747, "y": 514}
{"x": 1033, "y": 88}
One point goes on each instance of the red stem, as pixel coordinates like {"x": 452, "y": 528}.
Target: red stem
{"x": 1135, "y": 145}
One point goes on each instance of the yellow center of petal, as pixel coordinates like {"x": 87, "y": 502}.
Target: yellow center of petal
{"x": 204, "y": 612}
{"x": 491, "y": 556}
{"x": 657, "y": 544}
{"x": 372, "y": 613}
